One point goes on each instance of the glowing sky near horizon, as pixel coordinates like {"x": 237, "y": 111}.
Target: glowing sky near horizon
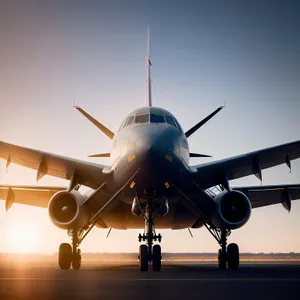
{"x": 203, "y": 53}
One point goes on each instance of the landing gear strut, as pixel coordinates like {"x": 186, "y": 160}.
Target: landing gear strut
{"x": 148, "y": 252}
{"x": 227, "y": 255}
{"x": 70, "y": 255}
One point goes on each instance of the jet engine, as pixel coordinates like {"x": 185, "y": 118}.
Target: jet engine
{"x": 66, "y": 210}
{"x": 233, "y": 210}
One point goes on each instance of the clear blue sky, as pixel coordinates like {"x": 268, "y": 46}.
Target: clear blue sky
{"x": 246, "y": 53}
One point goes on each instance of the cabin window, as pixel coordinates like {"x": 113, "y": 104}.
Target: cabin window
{"x": 142, "y": 119}
{"x": 157, "y": 119}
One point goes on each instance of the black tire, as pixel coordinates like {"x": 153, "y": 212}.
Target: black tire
{"x": 65, "y": 256}
{"x": 221, "y": 259}
{"x": 143, "y": 258}
{"x": 76, "y": 263}
{"x": 233, "y": 256}
{"x": 156, "y": 261}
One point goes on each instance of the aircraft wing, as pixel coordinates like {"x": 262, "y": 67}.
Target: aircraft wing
{"x": 30, "y": 195}
{"x": 218, "y": 172}
{"x": 86, "y": 173}
{"x": 273, "y": 194}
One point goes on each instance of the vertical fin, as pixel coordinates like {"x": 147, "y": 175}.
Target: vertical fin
{"x": 148, "y": 75}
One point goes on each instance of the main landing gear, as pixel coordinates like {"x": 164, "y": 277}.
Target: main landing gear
{"x": 227, "y": 255}
{"x": 148, "y": 252}
{"x": 70, "y": 255}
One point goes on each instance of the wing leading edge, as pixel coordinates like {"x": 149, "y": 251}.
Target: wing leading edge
{"x": 260, "y": 196}
{"x": 31, "y": 195}
{"x": 82, "y": 172}
{"x": 219, "y": 172}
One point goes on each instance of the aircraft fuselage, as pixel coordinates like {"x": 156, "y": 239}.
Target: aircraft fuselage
{"x": 149, "y": 139}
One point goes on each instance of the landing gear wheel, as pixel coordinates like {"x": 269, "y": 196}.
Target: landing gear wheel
{"x": 143, "y": 256}
{"x": 221, "y": 259}
{"x": 233, "y": 256}
{"x": 65, "y": 256}
{"x": 76, "y": 263}
{"x": 156, "y": 261}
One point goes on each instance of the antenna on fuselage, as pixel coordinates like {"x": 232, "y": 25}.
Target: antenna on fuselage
{"x": 148, "y": 77}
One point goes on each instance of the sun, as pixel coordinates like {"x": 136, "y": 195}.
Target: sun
{"x": 23, "y": 238}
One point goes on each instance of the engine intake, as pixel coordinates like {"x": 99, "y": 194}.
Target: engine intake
{"x": 66, "y": 210}
{"x": 233, "y": 210}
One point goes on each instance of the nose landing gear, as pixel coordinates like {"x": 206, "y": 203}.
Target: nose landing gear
{"x": 148, "y": 252}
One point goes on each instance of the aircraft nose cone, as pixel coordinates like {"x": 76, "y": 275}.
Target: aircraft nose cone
{"x": 148, "y": 147}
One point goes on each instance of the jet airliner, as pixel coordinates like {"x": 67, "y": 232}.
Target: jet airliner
{"x": 150, "y": 185}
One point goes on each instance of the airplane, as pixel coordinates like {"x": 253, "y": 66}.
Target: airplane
{"x": 150, "y": 185}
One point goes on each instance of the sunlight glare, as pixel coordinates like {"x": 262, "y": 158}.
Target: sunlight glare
{"x": 23, "y": 238}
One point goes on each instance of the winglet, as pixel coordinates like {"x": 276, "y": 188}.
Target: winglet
{"x": 100, "y": 126}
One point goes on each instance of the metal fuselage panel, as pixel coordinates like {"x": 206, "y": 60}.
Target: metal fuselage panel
{"x": 160, "y": 151}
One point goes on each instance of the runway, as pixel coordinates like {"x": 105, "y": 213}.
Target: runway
{"x": 123, "y": 280}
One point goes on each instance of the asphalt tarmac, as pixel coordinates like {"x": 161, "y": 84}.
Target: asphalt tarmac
{"x": 123, "y": 280}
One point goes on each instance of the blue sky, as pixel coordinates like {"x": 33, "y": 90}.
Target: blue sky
{"x": 203, "y": 53}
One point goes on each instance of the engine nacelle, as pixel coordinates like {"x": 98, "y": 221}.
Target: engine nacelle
{"x": 233, "y": 210}
{"x": 66, "y": 210}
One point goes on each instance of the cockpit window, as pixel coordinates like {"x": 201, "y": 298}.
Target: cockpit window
{"x": 157, "y": 119}
{"x": 122, "y": 124}
{"x": 129, "y": 121}
{"x": 142, "y": 119}
{"x": 178, "y": 125}
{"x": 170, "y": 121}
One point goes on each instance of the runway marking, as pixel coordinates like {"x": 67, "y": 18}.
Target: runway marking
{"x": 218, "y": 279}
{"x": 150, "y": 279}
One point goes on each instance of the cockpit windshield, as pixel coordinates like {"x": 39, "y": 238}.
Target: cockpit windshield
{"x": 152, "y": 118}
{"x": 142, "y": 119}
{"x": 129, "y": 121}
{"x": 170, "y": 121}
{"x": 157, "y": 119}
